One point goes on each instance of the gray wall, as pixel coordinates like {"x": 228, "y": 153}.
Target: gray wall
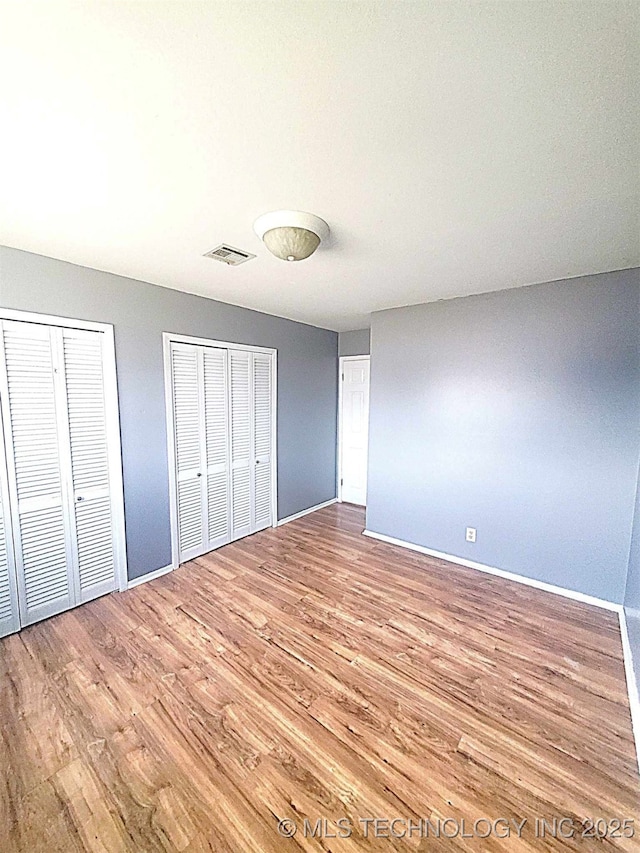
{"x": 354, "y": 343}
{"x": 516, "y": 413}
{"x": 632, "y": 592}
{"x": 140, "y": 312}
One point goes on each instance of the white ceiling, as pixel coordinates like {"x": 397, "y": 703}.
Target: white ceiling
{"x": 454, "y": 148}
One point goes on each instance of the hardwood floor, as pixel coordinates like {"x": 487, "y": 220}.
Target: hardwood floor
{"x": 310, "y": 672}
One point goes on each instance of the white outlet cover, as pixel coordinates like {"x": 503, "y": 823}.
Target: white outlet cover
{"x": 471, "y": 534}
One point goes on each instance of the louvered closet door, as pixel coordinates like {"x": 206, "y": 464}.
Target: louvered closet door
{"x": 188, "y": 412}
{"x": 262, "y": 416}
{"x": 93, "y": 540}
{"x": 44, "y": 565}
{"x": 216, "y": 424}
{"x": 9, "y": 616}
{"x": 242, "y": 462}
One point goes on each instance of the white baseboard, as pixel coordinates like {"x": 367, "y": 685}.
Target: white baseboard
{"x": 632, "y": 684}
{"x": 510, "y": 576}
{"x": 150, "y": 576}
{"x": 306, "y": 512}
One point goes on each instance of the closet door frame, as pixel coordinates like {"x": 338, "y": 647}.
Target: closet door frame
{"x": 112, "y": 418}
{"x": 167, "y": 339}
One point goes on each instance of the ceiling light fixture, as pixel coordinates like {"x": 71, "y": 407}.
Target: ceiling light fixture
{"x": 290, "y": 234}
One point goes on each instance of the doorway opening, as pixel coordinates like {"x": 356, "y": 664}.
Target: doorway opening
{"x": 353, "y": 429}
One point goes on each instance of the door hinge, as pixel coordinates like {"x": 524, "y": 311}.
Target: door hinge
{"x": 343, "y": 377}
{"x": 341, "y": 482}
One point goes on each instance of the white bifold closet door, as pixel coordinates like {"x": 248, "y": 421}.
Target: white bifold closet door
{"x": 251, "y": 431}
{"x": 200, "y": 409}
{"x": 9, "y": 615}
{"x": 241, "y": 455}
{"x": 222, "y": 420}
{"x": 57, "y": 464}
{"x": 261, "y": 380}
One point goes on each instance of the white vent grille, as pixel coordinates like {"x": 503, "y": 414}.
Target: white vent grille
{"x": 229, "y": 255}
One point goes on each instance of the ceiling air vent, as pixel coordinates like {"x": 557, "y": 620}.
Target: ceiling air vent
{"x": 229, "y": 255}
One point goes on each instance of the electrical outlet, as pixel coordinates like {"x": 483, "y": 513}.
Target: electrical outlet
{"x": 471, "y": 534}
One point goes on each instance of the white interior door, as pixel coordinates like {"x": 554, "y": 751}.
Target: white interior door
{"x": 54, "y": 415}
{"x": 220, "y": 408}
{"x": 216, "y": 423}
{"x": 93, "y": 541}
{"x": 188, "y": 419}
{"x": 241, "y": 440}
{"x": 354, "y": 429}
{"x": 44, "y": 564}
{"x": 262, "y": 437}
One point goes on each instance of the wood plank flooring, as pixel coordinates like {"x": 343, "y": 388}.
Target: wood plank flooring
{"x": 311, "y": 673}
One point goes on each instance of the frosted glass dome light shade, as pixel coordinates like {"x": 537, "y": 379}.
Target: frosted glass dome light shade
{"x": 291, "y": 244}
{"x": 291, "y": 235}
